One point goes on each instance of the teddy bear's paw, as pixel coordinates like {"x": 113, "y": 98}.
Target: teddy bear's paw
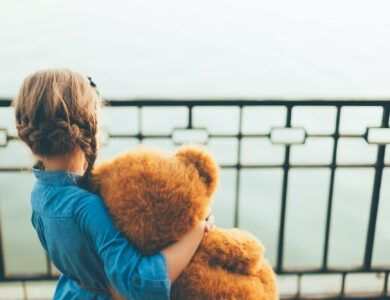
{"x": 233, "y": 249}
{"x": 267, "y": 278}
{"x": 203, "y": 282}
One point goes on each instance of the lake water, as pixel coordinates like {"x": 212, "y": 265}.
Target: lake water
{"x": 220, "y": 49}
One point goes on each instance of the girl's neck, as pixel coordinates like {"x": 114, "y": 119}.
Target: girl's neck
{"x": 75, "y": 163}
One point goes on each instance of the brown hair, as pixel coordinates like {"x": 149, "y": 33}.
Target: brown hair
{"x": 56, "y": 112}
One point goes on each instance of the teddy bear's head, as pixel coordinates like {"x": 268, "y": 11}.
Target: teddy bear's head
{"x": 155, "y": 197}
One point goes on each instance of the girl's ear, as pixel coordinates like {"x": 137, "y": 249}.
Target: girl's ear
{"x": 200, "y": 158}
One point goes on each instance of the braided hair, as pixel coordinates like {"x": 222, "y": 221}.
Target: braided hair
{"x": 56, "y": 113}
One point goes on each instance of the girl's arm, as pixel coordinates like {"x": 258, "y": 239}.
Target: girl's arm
{"x": 131, "y": 274}
{"x": 178, "y": 255}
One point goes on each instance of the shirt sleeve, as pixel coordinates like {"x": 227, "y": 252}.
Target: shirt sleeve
{"x": 131, "y": 274}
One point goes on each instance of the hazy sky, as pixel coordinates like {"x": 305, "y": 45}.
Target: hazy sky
{"x": 213, "y": 48}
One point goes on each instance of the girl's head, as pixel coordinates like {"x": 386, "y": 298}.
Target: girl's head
{"x": 56, "y": 114}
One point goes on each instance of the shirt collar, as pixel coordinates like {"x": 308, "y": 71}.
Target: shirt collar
{"x": 60, "y": 178}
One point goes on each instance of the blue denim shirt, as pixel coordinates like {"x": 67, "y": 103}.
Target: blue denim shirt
{"x": 81, "y": 240}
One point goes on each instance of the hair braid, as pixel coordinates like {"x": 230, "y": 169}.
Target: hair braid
{"x": 90, "y": 151}
{"x": 50, "y": 137}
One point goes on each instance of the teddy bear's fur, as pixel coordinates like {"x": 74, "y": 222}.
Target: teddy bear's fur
{"x": 156, "y": 197}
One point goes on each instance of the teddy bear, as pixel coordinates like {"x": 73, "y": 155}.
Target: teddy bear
{"x": 155, "y": 197}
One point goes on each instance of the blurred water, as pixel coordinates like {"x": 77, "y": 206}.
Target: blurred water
{"x": 218, "y": 49}
{"x": 234, "y": 48}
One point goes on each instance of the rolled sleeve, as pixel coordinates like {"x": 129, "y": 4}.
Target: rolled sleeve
{"x": 151, "y": 275}
{"x": 131, "y": 274}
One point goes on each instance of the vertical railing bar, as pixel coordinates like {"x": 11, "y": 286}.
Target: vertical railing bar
{"x": 375, "y": 195}
{"x": 342, "y": 290}
{"x": 331, "y": 189}
{"x": 279, "y": 263}
{"x": 48, "y": 265}
{"x": 385, "y": 287}
{"x": 140, "y": 133}
{"x": 238, "y": 175}
{"x": 24, "y": 288}
{"x": 2, "y": 264}
{"x": 299, "y": 282}
{"x": 189, "y": 117}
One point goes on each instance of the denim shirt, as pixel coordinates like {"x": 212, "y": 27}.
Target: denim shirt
{"x": 76, "y": 231}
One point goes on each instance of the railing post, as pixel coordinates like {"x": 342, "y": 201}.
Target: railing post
{"x": 238, "y": 175}
{"x": 376, "y": 194}
{"x": 286, "y": 167}
{"x": 189, "y": 126}
{"x": 2, "y": 264}
{"x": 331, "y": 190}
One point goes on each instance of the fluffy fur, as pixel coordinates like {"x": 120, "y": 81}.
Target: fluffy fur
{"x": 156, "y": 197}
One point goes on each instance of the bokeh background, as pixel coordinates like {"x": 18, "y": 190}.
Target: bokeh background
{"x": 218, "y": 50}
{"x": 203, "y": 48}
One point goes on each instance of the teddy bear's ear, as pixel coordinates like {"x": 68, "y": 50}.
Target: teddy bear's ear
{"x": 204, "y": 163}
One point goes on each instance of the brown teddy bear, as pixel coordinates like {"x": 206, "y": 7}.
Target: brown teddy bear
{"x": 155, "y": 197}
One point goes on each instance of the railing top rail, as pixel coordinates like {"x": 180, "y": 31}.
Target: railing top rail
{"x": 5, "y": 102}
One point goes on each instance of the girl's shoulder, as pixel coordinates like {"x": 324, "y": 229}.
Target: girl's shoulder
{"x": 86, "y": 203}
{"x": 83, "y": 196}
{"x": 62, "y": 201}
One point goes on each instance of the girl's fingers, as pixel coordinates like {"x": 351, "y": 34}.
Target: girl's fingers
{"x": 210, "y": 219}
{"x": 205, "y": 227}
{"x": 209, "y": 223}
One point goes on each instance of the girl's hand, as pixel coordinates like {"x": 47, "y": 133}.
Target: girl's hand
{"x": 209, "y": 221}
{"x": 179, "y": 254}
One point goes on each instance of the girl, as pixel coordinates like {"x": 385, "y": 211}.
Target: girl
{"x": 57, "y": 117}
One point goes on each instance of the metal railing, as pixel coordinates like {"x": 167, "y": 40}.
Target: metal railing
{"x": 286, "y": 131}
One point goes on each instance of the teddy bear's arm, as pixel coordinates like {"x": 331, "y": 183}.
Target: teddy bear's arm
{"x": 233, "y": 249}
